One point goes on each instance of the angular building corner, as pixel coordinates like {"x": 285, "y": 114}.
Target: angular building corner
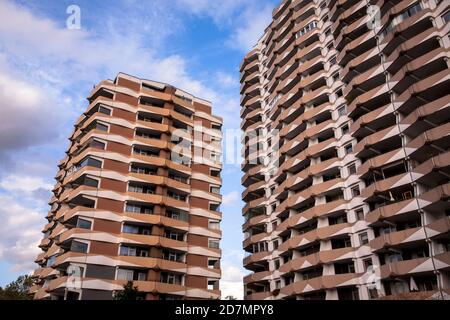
{"x": 137, "y": 198}
{"x": 346, "y": 110}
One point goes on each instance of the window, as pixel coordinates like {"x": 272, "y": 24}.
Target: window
{"x": 336, "y": 74}
{"x": 51, "y": 260}
{"x": 276, "y": 264}
{"x": 275, "y": 245}
{"x": 359, "y": 213}
{"x": 212, "y": 263}
{"x": 342, "y": 111}
{"x": 215, "y": 157}
{"x": 351, "y": 169}
{"x": 174, "y": 235}
{"x": 345, "y": 129}
{"x": 97, "y": 144}
{"x": 177, "y": 214}
{"x": 141, "y": 189}
{"x": 333, "y": 61}
{"x": 90, "y": 182}
{"x": 171, "y": 278}
{"x": 259, "y": 247}
{"x": 274, "y": 225}
{"x": 213, "y": 243}
{"x": 101, "y": 127}
{"x": 138, "y": 209}
{"x": 355, "y": 191}
{"x": 84, "y": 224}
{"x": 125, "y": 275}
{"x": 128, "y": 251}
{"x": 172, "y": 256}
{"x": 277, "y": 284}
{"x": 212, "y": 284}
{"x": 348, "y": 148}
{"x": 373, "y": 293}
{"x": 178, "y": 178}
{"x": 79, "y": 247}
{"x": 337, "y": 220}
{"x": 363, "y": 238}
{"x": 176, "y": 196}
{"x": 446, "y": 17}
{"x": 306, "y": 29}
{"x": 104, "y": 110}
{"x": 367, "y": 263}
{"x": 90, "y": 162}
{"x": 213, "y": 224}
{"x": 143, "y": 170}
{"x": 214, "y": 207}
{"x": 215, "y": 173}
{"x": 130, "y": 229}
{"x": 342, "y": 268}
{"x": 215, "y": 190}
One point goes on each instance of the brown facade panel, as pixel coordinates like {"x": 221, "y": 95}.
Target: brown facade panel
{"x": 103, "y": 248}
{"x": 132, "y": 101}
{"x": 107, "y": 226}
{"x": 113, "y": 185}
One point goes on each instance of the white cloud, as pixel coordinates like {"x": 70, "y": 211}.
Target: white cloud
{"x": 248, "y": 18}
{"x": 231, "y": 283}
{"x": 230, "y": 198}
{"x": 220, "y": 11}
{"x": 30, "y": 113}
{"x": 24, "y": 183}
{"x": 19, "y": 234}
{"x": 226, "y": 80}
{"x": 247, "y": 35}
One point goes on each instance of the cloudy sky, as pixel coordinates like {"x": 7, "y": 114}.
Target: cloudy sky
{"x": 46, "y": 71}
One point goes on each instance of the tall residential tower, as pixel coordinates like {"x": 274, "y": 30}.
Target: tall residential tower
{"x": 137, "y": 198}
{"x": 348, "y": 198}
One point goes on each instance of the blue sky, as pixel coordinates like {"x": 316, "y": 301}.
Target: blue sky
{"x": 46, "y": 71}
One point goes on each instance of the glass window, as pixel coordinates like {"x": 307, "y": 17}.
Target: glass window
{"x": 97, "y": 144}
{"x": 367, "y": 263}
{"x": 355, "y": 191}
{"x": 351, "y": 169}
{"x": 130, "y": 229}
{"x": 348, "y": 148}
{"x": 342, "y": 111}
{"x": 125, "y": 275}
{"x": 446, "y": 17}
{"x": 213, "y": 244}
{"x": 90, "y": 182}
{"x": 84, "y": 224}
{"x": 79, "y": 247}
{"x": 215, "y": 190}
{"x": 363, "y": 238}
{"x": 51, "y": 261}
{"x": 104, "y": 110}
{"x": 359, "y": 214}
{"x": 345, "y": 129}
{"x": 101, "y": 127}
{"x": 214, "y": 225}
{"x": 127, "y": 251}
{"x": 90, "y": 162}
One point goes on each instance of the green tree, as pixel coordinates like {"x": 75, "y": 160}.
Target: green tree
{"x": 18, "y": 289}
{"x": 129, "y": 292}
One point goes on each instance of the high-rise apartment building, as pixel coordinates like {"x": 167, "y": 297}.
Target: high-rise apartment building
{"x": 137, "y": 198}
{"x": 349, "y": 197}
